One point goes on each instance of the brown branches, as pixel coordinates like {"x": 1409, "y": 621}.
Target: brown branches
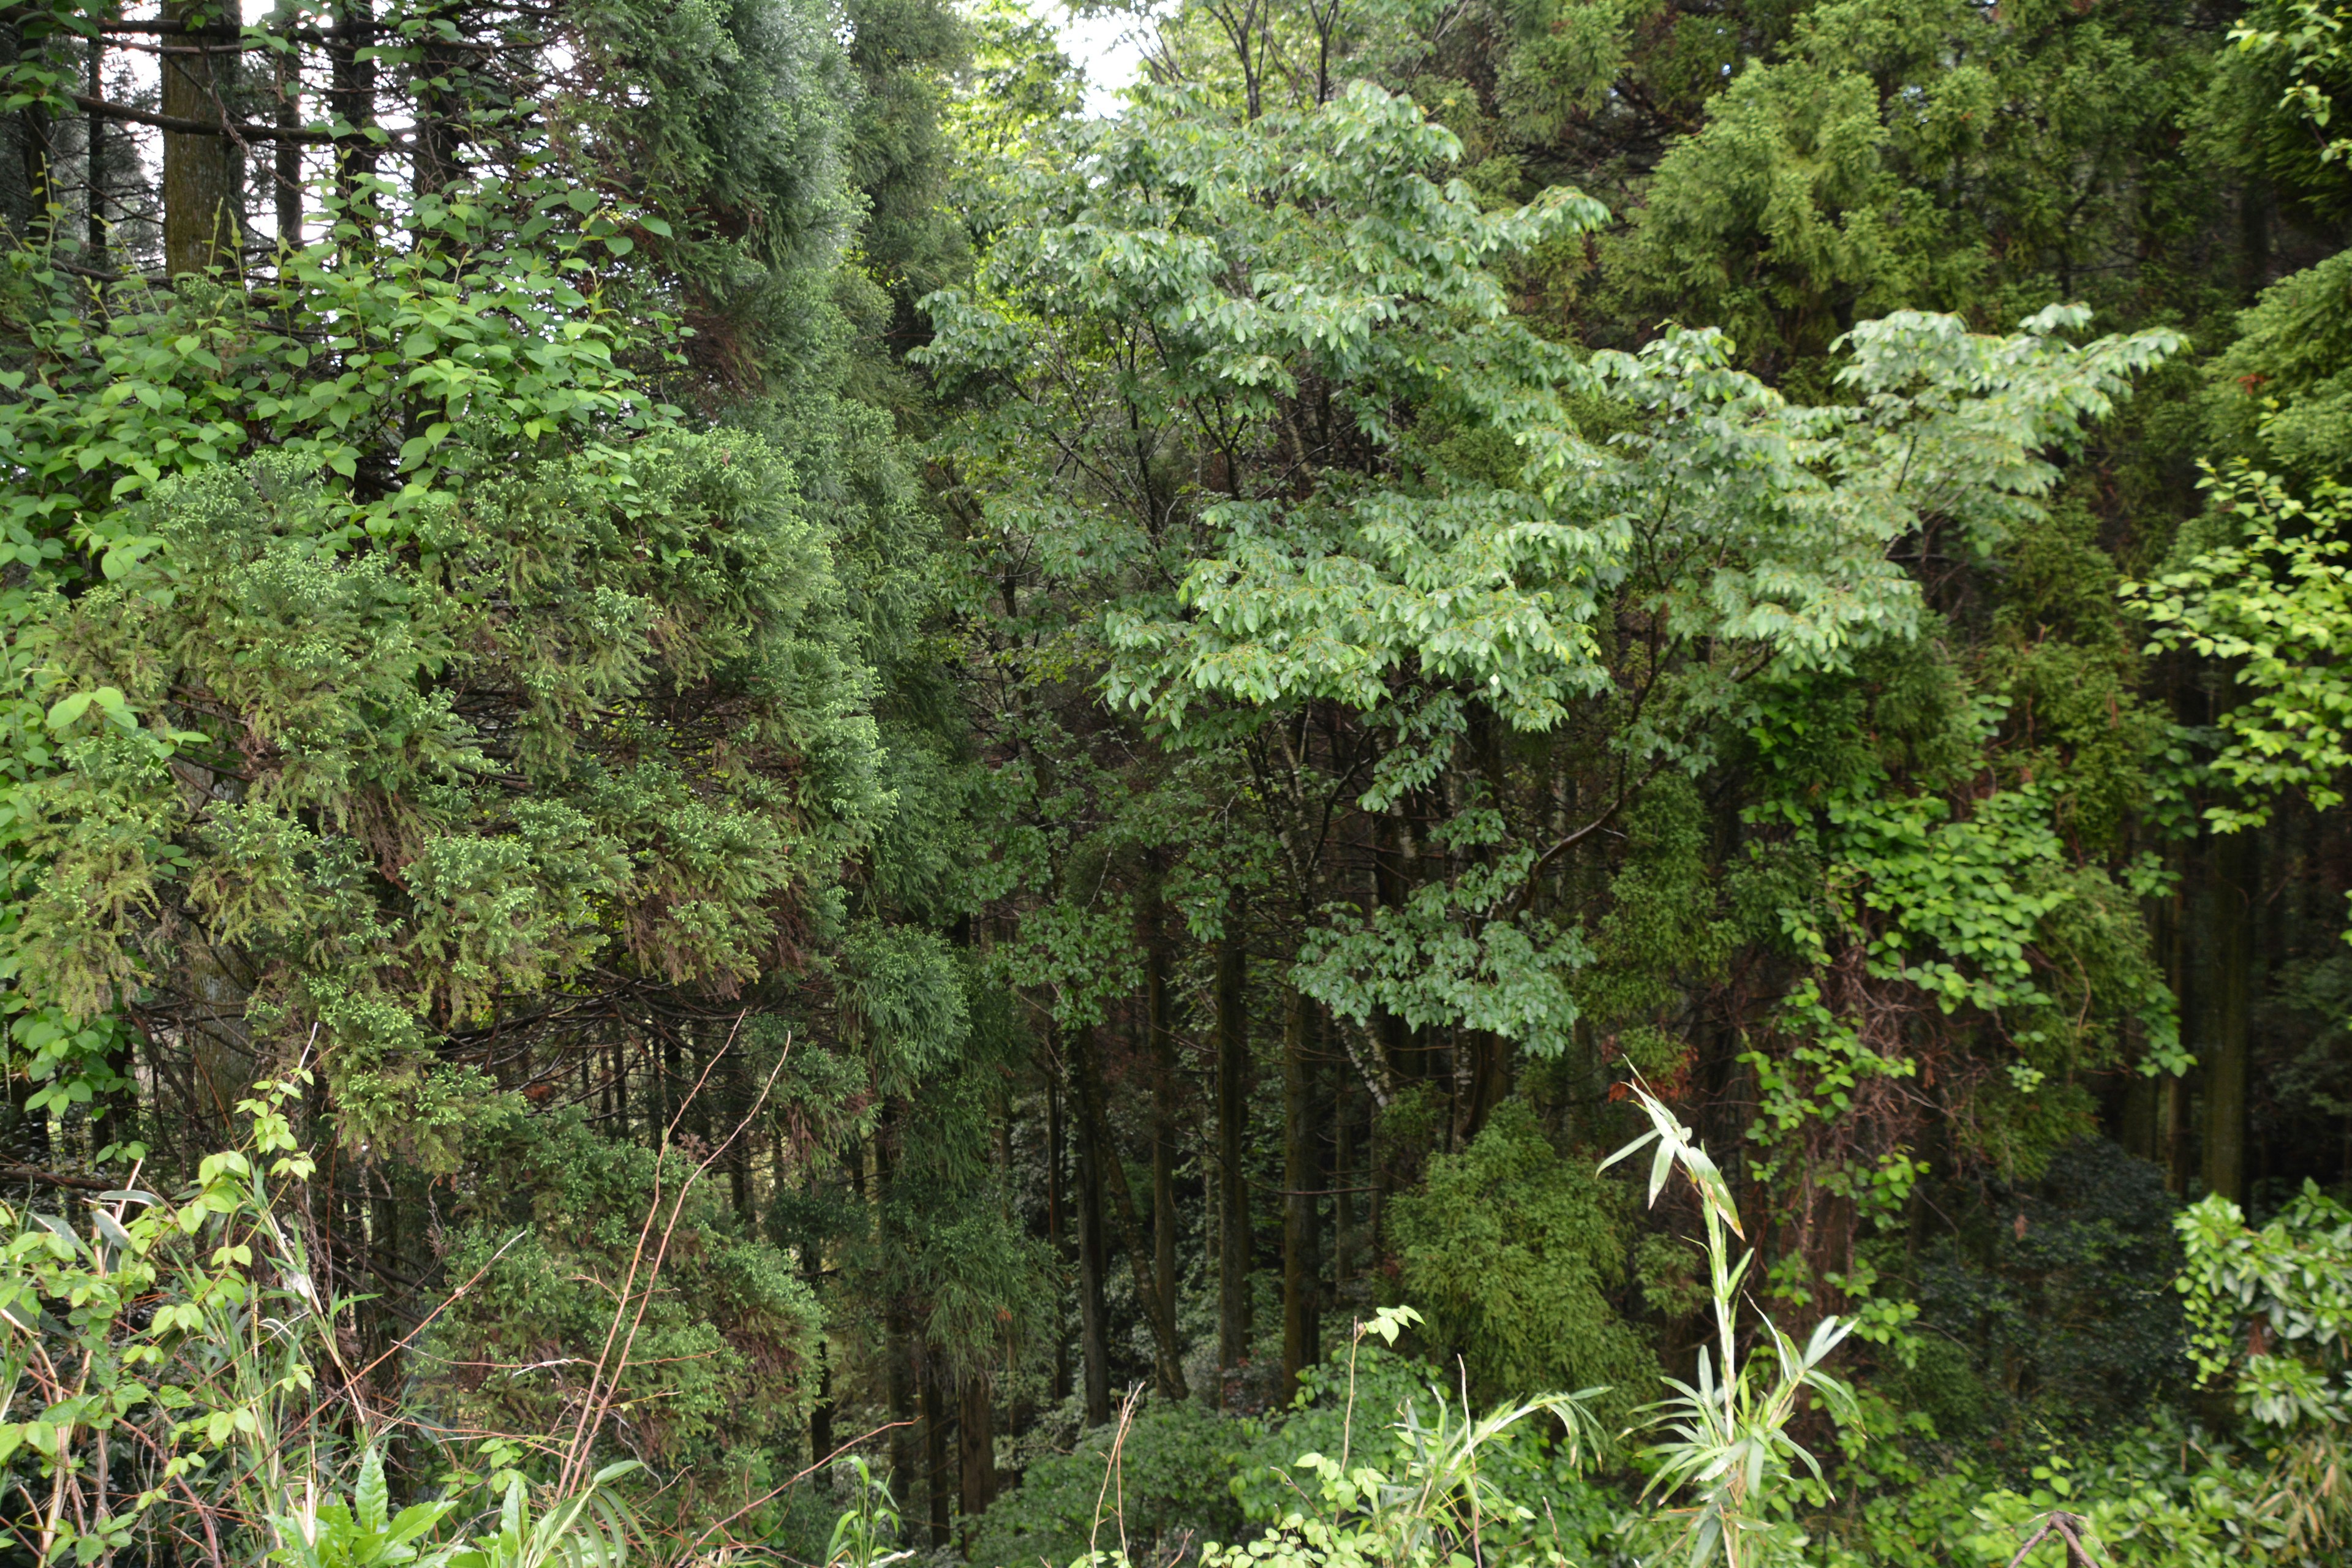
{"x": 186, "y": 126}
{"x": 2062, "y": 1525}
{"x": 604, "y": 1385}
{"x": 13, "y": 1173}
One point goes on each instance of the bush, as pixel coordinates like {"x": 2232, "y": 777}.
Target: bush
{"x": 1172, "y": 1485}
{"x": 1510, "y": 1251}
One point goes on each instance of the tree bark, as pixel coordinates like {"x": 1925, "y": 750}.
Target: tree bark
{"x": 1170, "y": 1362}
{"x": 666, "y": 1077}
{"x": 813, "y": 1275}
{"x": 1300, "y": 1314}
{"x": 94, "y": 245}
{"x": 821, "y": 1407}
{"x": 1094, "y": 1334}
{"x": 975, "y": 1447}
{"x": 1343, "y": 1180}
{"x": 935, "y": 1452}
{"x": 351, "y": 104}
{"x": 286, "y": 158}
{"x": 1232, "y": 1183}
{"x": 733, "y": 1072}
{"x": 1057, "y": 1227}
{"x": 1163, "y": 1133}
{"x": 2235, "y": 864}
{"x": 900, "y": 1351}
{"x": 200, "y": 219}
{"x": 2174, "y": 1108}
{"x": 440, "y": 106}
{"x": 898, "y": 1347}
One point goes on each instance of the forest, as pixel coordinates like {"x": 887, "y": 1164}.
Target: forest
{"x": 1474, "y": 783}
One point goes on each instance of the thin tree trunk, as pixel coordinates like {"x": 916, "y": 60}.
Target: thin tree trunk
{"x": 935, "y": 1452}
{"x": 2235, "y": 865}
{"x": 1232, "y": 1185}
{"x": 1343, "y": 1179}
{"x": 94, "y": 243}
{"x": 737, "y": 1077}
{"x": 901, "y": 1390}
{"x": 1094, "y": 1331}
{"x": 812, "y": 1276}
{"x": 114, "y": 1119}
{"x": 665, "y": 1091}
{"x": 2175, "y": 1106}
{"x": 1300, "y": 1321}
{"x": 1163, "y": 1135}
{"x": 1058, "y": 1228}
{"x": 286, "y": 159}
{"x": 898, "y": 1347}
{"x": 1170, "y": 1362}
{"x": 27, "y": 1132}
{"x": 975, "y": 1447}
{"x": 440, "y": 103}
{"x": 353, "y": 105}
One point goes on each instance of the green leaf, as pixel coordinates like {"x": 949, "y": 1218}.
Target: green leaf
{"x": 371, "y": 1496}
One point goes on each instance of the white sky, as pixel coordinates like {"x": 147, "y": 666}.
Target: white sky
{"x": 1109, "y": 49}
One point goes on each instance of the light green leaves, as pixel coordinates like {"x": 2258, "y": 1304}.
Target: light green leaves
{"x": 2274, "y": 598}
{"x": 2275, "y": 1303}
{"x": 107, "y": 700}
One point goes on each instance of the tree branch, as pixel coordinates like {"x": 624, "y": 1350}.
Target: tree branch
{"x": 14, "y": 1173}
{"x": 200, "y": 127}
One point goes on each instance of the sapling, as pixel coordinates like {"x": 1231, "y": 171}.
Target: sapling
{"x": 1726, "y": 1439}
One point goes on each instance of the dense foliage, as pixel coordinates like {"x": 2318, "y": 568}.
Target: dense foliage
{"x": 763, "y": 798}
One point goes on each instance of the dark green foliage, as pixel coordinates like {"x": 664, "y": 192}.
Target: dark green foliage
{"x": 1512, "y": 1252}
{"x": 2280, "y": 393}
{"x": 718, "y": 1382}
{"x": 1172, "y": 1485}
{"x": 1124, "y": 730}
{"x": 1940, "y": 156}
{"x": 2051, "y": 1304}
{"x": 394, "y": 863}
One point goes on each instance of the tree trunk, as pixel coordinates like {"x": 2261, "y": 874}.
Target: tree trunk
{"x": 1168, "y": 1365}
{"x": 1300, "y": 1321}
{"x": 94, "y": 245}
{"x": 821, "y": 1407}
{"x": 1163, "y": 1135}
{"x": 935, "y": 1452}
{"x": 1232, "y": 1177}
{"x": 665, "y": 1100}
{"x": 1057, "y": 1229}
{"x": 440, "y": 104}
{"x": 200, "y": 220}
{"x": 1094, "y": 1332}
{"x": 975, "y": 1447}
{"x": 812, "y": 1276}
{"x": 114, "y": 1119}
{"x": 900, "y": 1351}
{"x": 353, "y": 105}
{"x": 286, "y": 160}
{"x": 28, "y": 1133}
{"x": 2175, "y": 1106}
{"x": 1343, "y": 1179}
{"x": 898, "y": 1347}
{"x": 2235, "y": 866}
{"x": 737, "y": 1076}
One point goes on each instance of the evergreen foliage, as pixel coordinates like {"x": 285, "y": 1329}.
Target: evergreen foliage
{"x": 941, "y": 824}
